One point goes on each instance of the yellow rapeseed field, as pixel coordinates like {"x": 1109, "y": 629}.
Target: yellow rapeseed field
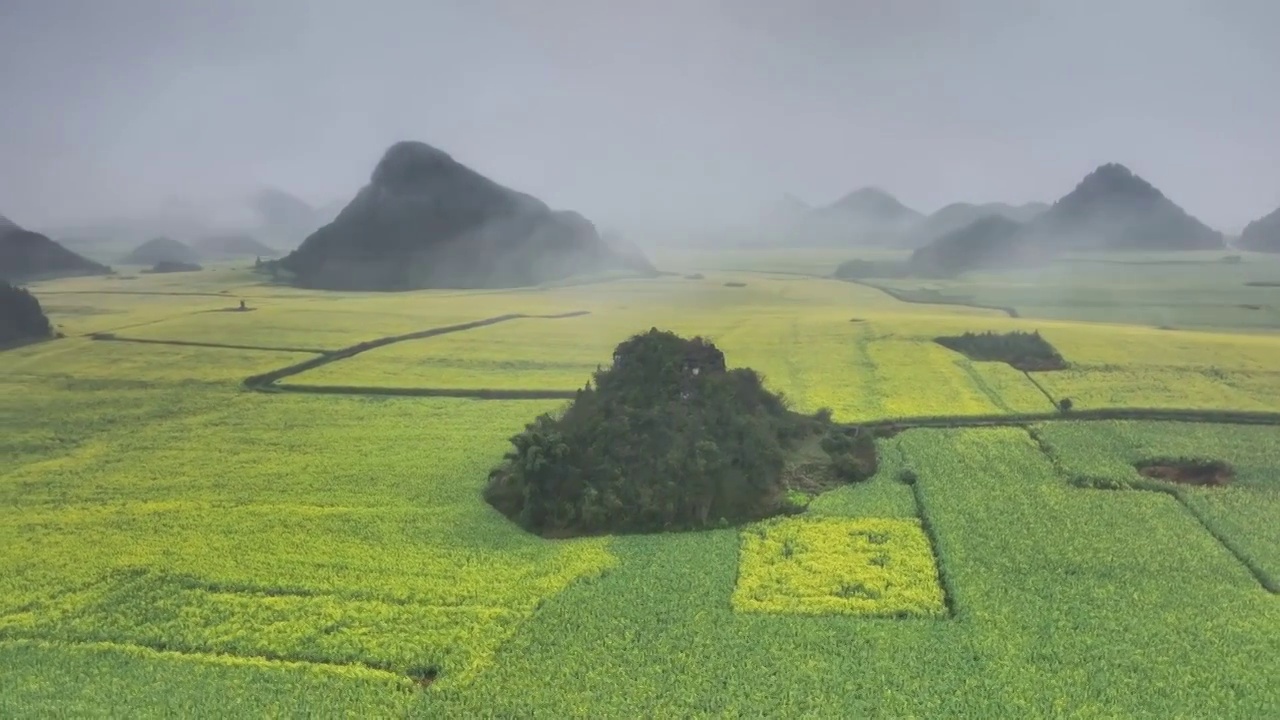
{"x": 833, "y": 565}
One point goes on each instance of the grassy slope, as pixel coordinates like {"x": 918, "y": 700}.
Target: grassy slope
{"x": 359, "y": 535}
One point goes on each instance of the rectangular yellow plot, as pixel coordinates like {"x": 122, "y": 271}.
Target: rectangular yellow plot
{"x": 873, "y": 567}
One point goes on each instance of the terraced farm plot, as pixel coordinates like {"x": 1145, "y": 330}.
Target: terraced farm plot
{"x": 871, "y": 567}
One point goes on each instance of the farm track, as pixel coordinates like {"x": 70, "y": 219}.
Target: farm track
{"x": 943, "y": 300}
{"x": 215, "y": 657}
{"x": 1222, "y": 417}
{"x": 1268, "y": 583}
{"x": 268, "y": 381}
{"x": 895, "y": 294}
{"x": 112, "y": 337}
{"x": 141, "y": 292}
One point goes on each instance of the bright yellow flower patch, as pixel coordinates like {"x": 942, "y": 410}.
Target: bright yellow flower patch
{"x": 882, "y": 567}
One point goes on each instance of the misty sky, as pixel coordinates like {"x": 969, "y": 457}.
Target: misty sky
{"x": 661, "y": 112}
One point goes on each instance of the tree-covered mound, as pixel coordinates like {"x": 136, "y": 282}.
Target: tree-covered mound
{"x": 1022, "y": 350}
{"x": 21, "y": 318}
{"x": 1263, "y": 234}
{"x": 427, "y": 221}
{"x": 27, "y": 255}
{"x": 161, "y": 250}
{"x": 668, "y": 438}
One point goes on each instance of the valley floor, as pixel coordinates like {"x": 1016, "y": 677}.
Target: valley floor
{"x": 172, "y": 542}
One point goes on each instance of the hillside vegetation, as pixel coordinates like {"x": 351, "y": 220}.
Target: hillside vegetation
{"x": 27, "y": 255}
{"x": 161, "y": 250}
{"x": 667, "y": 438}
{"x": 21, "y": 318}
{"x": 1263, "y": 234}
{"x": 425, "y": 220}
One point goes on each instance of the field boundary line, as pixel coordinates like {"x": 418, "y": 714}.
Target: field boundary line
{"x": 901, "y": 297}
{"x": 268, "y": 380}
{"x": 944, "y": 577}
{"x": 221, "y": 658}
{"x": 112, "y": 337}
{"x": 1179, "y": 496}
{"x": 1222, "y": 417}
{"x": 1264, "y": 579}
{"x": 475, "y": 393}
{"x": 1040, "y": 387}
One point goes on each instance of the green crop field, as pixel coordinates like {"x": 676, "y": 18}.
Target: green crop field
{"x": 174, "y": 542}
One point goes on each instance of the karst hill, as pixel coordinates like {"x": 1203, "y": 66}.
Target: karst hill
{"x": 27, "y": 255}
{"x": 161, "y": 250}
{"x": 425, "y": 220}
{"x": 1114, "y": 209}
{"x": 1263, "y": 234}
{"x": 1111, "y": 209}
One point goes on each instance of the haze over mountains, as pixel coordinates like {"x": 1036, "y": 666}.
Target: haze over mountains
{"x": 27, "y": 255}
{"x": 1111, "y": 209}
{"x": 1263, "y": 234}
{"x": 426, "y": 220}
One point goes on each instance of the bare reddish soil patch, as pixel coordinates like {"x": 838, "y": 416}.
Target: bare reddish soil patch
{"x": 1215, "y": 473}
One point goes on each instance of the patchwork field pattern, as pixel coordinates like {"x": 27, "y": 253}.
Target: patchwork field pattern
{"x": 874, "y": 567}
{"x": 172, "y": 544}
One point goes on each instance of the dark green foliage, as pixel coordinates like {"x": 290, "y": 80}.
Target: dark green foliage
{"x": 1025, "y": 351}
{"x": 425, "y": 220}
{"x": 1065, "y": 404}
{"x": 21, "y": 318}
{"x": 735, "y": 284}
{"x": 667, "y": 438}
{"x": 166, "y": 266}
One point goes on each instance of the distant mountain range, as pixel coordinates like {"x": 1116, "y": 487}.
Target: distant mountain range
{"x": 1110, "y": 209}
{"x": 957, "y": 215}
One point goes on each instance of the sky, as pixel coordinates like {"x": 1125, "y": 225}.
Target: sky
{"x": 653, "y": 114}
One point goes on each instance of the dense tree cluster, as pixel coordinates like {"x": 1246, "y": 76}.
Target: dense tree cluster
{"x": 1023, "y": 350}
{"x": 21, "y": 318}
{"x": 667, "y": 438}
